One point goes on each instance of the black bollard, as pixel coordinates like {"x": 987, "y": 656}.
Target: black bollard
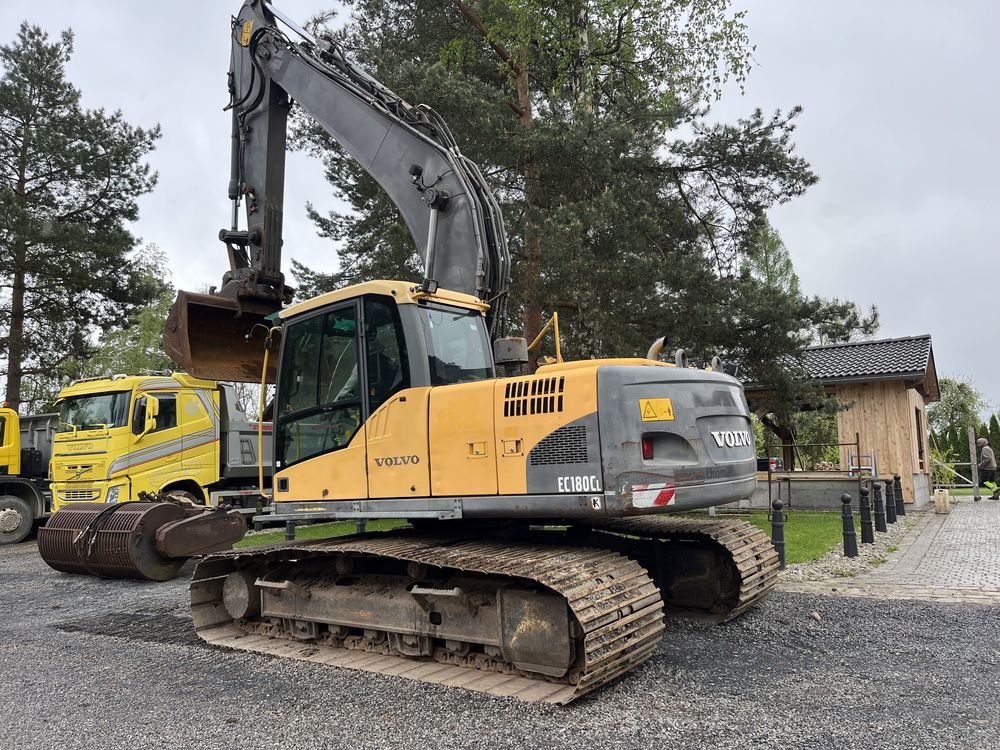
{"x": 777, "y": 519}
{"x": 879, "y": 508}
{"x": 289, "y": 531}
{"x": 867, "y": 530}
{"x": 359, "y": 525}
{"x": 850, "y": 538}
{"x": 898, "y": 488}
{"x": 890, "y": 502}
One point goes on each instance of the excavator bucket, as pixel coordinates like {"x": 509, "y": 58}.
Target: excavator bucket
{"x": 220, "y": 338}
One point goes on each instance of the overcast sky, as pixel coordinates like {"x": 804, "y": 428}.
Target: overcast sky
{"x": 901, "y": 119}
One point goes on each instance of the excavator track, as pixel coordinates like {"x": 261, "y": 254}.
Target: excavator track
{"x": 717, "y": 569}
{"x": 616, "y": 578}
{"x": 615, "y": 610}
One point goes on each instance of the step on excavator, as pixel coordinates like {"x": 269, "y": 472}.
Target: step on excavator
{"x": 543, "y": 548}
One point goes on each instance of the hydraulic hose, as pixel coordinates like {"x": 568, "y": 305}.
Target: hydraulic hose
{"x": 260, "y": 414}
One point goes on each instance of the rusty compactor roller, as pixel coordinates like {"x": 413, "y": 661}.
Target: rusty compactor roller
{"x": 144, "y": 540}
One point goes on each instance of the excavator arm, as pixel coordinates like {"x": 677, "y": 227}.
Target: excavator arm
{"x": 451, "y": 213}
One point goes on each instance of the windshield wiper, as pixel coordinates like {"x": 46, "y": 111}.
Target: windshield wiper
{"x": 71, "y": 426}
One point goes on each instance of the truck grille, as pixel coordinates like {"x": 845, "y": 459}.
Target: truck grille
{"x": 71, "y": 495}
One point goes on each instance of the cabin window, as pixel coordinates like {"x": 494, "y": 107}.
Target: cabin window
{"x": 387, "y": 367}
{"x": 457, "y": 343}
{"x": 319, "y": 395}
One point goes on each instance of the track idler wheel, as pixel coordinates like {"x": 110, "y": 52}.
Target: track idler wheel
{"x": 134, "y": 540}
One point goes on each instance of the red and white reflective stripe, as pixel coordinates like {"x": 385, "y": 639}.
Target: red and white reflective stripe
{"x": 652, "y": 495}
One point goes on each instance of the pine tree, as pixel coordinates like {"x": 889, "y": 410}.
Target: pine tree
{"x": 993, "y": 433}
{"x": 573, "y": 110}
{"x": 69, "y": 181}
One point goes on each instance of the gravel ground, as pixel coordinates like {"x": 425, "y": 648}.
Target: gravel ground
{"x": 95, "y": 664}
{"x": 834, "y": 565}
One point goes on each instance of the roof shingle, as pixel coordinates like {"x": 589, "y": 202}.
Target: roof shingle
{"x": 869, "y": 359}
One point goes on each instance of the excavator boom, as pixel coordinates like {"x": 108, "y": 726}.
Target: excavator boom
{"x": 449, "y": 209}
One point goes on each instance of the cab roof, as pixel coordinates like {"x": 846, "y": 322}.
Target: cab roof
{"x": 135, "y": 382}
{"x": 404, "y": 292}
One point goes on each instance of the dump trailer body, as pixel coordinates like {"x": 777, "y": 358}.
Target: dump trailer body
{"x": 25, "y": 452}
{"x": 239, "y": 436}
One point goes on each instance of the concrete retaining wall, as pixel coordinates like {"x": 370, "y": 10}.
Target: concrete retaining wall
{"x": 822, "y": 494}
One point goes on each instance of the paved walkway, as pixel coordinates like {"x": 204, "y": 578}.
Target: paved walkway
{"x": 953, "y": 557}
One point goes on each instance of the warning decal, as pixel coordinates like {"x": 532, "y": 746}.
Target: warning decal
{"x": 656, "y": 409}
{"x": 246, "y": 33}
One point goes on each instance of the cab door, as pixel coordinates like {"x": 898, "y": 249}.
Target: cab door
{"x": 398, "y": 461}
{"x": 155, "y": 458}
{"x": 198, "y": 415}
{"x": 10, "y": 442}
{"x": 319, "y": 418}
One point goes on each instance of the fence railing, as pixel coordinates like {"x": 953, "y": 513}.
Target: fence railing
{"x": 968, "y": 482}
{"x": 856, "y": 468}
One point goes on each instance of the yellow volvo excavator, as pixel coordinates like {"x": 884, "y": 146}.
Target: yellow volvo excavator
{"x": 541, "y": 554}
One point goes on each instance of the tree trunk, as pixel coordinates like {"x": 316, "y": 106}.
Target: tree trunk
{"x": 532, "y": 243}
{"x": 15, "y": 347}
{"x": 786, "y": 434}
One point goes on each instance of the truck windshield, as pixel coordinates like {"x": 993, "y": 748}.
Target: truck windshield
{"x": 457, "y": 345}
{"x": 94, "y": 411}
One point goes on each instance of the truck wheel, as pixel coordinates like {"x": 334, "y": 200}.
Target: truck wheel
{"x": 16, "y": 519}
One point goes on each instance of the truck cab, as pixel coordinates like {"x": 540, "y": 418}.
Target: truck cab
{"x": 123, "y": 435}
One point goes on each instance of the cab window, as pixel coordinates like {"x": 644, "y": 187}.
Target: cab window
{"x": 319, "y": 388}
{"x": 165, "y": 419}
{"x": 388, "y": 370}
{"x": 167, "y": 416}
{"x": 457, "y": 343}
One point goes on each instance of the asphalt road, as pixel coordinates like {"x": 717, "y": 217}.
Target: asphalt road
{"x": 86, "y": 663}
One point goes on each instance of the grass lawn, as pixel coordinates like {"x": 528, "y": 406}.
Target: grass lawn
{"x": 808, "y": 533}
{"x": 319, "y": 531}
{"x": 967, "y": 492}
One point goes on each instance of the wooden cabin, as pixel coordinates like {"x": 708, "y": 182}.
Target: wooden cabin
{"x": 885, "y": 386}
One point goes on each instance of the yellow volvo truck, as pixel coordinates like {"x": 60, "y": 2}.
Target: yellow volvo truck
{"x": 122, "y": 435}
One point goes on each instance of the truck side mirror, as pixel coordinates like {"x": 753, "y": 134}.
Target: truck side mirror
{"x": 150, "y": 410}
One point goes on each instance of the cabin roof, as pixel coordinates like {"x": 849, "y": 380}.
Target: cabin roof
{"x": 909, "y": 358}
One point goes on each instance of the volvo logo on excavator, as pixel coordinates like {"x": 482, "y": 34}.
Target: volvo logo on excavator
{"x": 397, "y": 460}
{"x": 732, "y": 438}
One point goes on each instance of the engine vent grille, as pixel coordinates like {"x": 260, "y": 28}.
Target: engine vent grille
{"x": 79, "y": 494}
{"x": 523, "y": 398}
{"x": 567, "y": 445}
